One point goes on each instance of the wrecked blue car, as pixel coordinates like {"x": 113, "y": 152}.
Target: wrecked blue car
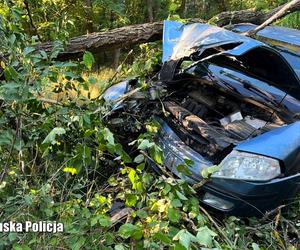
{"x": 228, "y": 101}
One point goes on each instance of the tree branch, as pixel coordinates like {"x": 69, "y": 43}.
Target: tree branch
{"x": 30, "y": 18}
{"x": 281, "y": 12}
{"x": 250, "y": 16}
{"x": 149, "y": 32}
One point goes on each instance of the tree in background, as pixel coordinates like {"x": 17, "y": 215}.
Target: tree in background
{"x": 60, "y": 19}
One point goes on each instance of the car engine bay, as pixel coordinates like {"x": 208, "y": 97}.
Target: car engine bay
{"x": 212, "y": 122}
{"x": 206, "y": 118}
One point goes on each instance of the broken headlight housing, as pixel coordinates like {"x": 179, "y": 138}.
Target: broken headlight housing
{"x": 247, "y": 166}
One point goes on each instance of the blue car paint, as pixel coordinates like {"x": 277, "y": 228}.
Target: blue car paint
{"x": 180, "y": 40}
{"x": 291, "y": 36}
{"x": 178, "y": 151}
{"x": 282, "y": 144}
{"x": 293, "y": 60}
{"x": 253, "y": 198}
{"x": 171, "y": 34}
{"x": 279, "y": 96}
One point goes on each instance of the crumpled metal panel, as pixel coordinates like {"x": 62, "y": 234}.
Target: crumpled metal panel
{"x": 116, "y": 91}
{"x": 180, "y": 40}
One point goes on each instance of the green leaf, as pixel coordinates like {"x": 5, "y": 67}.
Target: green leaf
{"x": 132, "y": 177}
{"x": 88, "y": 59}
{"x": 12, "y": 39}
{"x": 79, "y": 243}
{"x": 21, "y": 247}
{"x": 255, "y": 246}
{"x": 145, "y": 144}
{"x": 104, "y": 221}
{"x": 181, "y": 196}
{"x": 6, "y": 138}
{"x": 140, "y": 167}
{"x": 108, "y": 136}
{"x": 51, "y": 137}
{"x": 135, "y": 180}
{"x": 11, "y": 74}
{"x": 178, "y": 246}
{"x": 131, "y": 200}
{"x": 119, "y": 247}
{"x": 12, "y": 236}
{"x": 92, "y": 80}
{"x": 176, "y": 203}
{"x": 185, "y": 238}
{"x": 173, "y": 215}
{"x": 156, "y": 154}
{"x": 163, "y": 238}
{"x": 43, "y": 54}
{"x": 70, "y": 75}
{"x": 142, "y": 214}
{"x": 129, "y": 230}
{"x": 189, "y": 162}
{"x": 207, "y": 172}
{"x": 205, "y": 236}
{"x": 181, "y": 168}
{"x": 139, "y": 159}
{"x": 112, "y": 181}
{"x": 28, "y": 50}
{"x": 94, "y": 221}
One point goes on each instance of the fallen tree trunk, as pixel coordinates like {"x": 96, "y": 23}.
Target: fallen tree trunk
{"x": 250, "y": 16}
{"x": 113, "y": 39}
{"x": 148, "y": 32}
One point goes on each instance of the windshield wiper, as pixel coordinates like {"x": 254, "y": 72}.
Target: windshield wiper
{"x": 248, "y": 85}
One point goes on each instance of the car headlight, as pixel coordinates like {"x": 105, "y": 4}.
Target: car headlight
{"x": 246, "y": 166}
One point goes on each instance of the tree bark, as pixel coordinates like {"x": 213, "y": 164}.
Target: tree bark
{"x": 148, "y": 32}
{"x": 113, "y": 39}
{"x": 250, "y": 16}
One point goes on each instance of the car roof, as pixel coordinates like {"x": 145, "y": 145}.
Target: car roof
{"x": 282, "y": 37}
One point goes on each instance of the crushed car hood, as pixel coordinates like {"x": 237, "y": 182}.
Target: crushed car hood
{"x": 180, "y": 40}
{"x": 183, "y": 41}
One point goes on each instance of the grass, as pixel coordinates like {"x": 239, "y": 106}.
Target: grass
{"x": 80, "y": 92}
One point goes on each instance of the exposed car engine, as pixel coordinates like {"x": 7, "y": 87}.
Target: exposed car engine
{"x": 212, "y": 123}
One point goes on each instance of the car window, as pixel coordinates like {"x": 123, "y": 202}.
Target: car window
{"x": 265, "y": 65}
{"x": 294, "y": 61}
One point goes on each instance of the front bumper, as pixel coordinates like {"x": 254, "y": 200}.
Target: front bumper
{"x": 250, "y": 198}
{"x": 233, "y": 197}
